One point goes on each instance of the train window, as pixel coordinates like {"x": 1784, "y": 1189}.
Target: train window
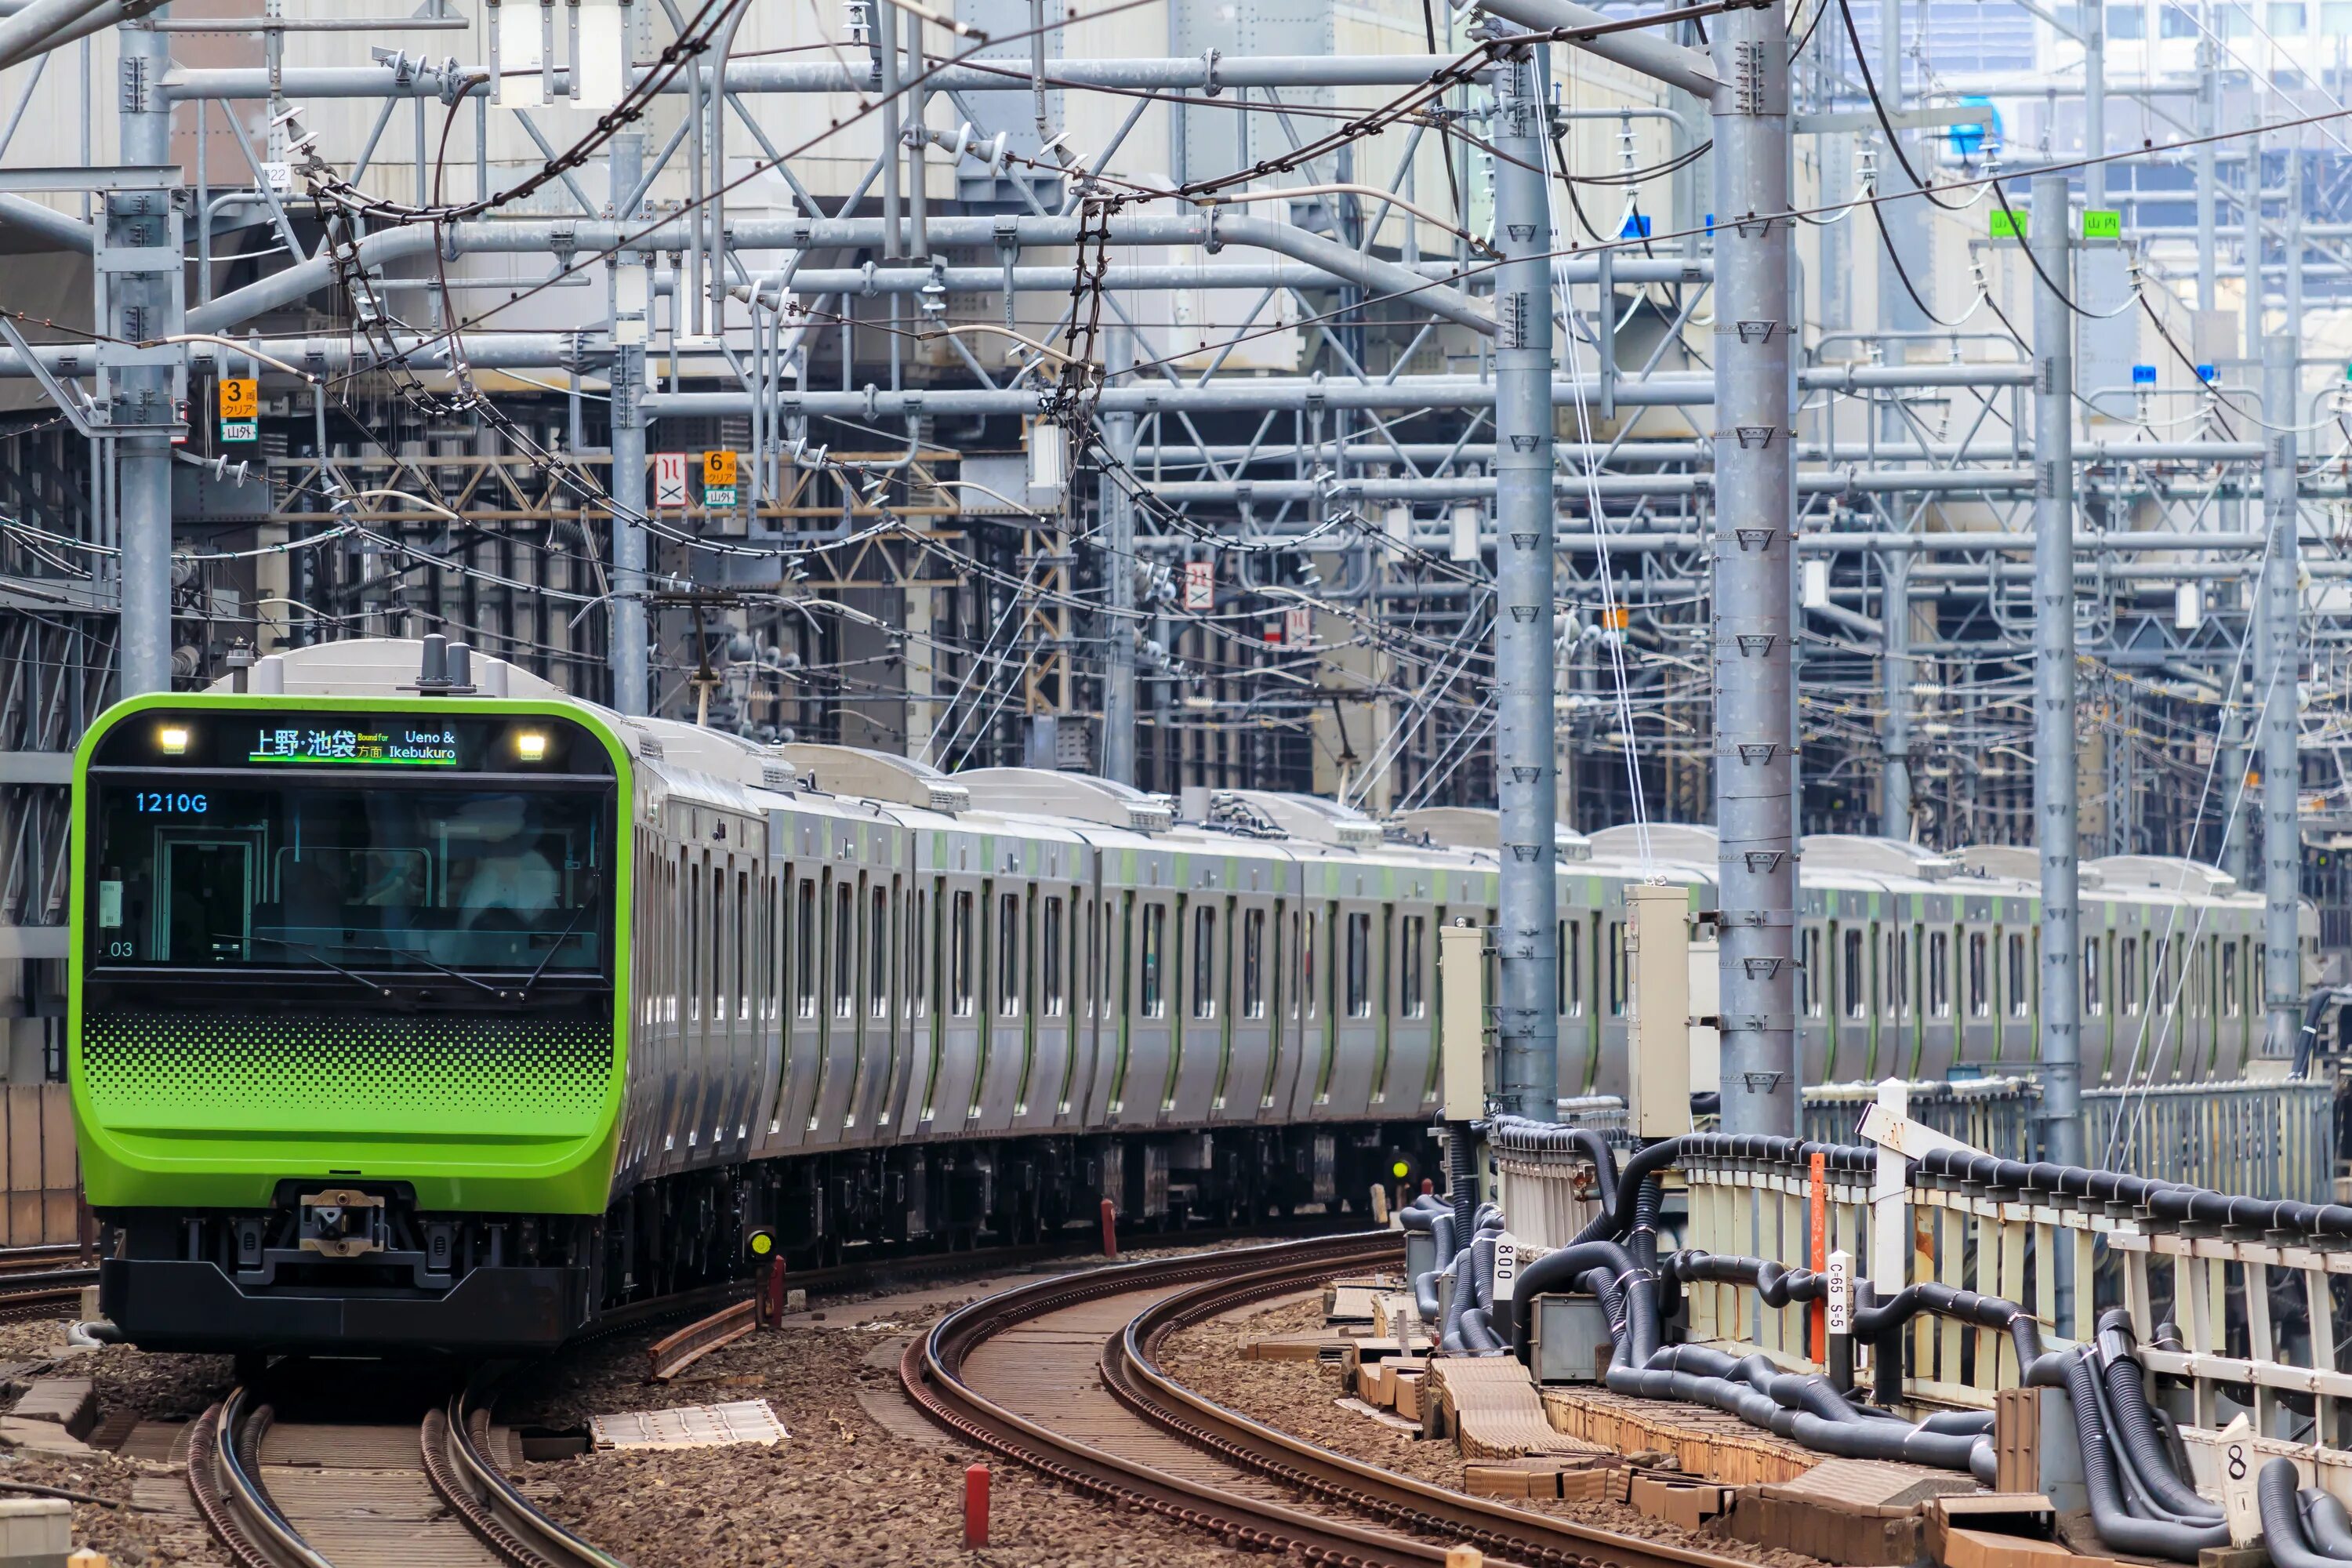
{"x": 715, "y": 972}
{"x": 1939, "y": 974}
{"x": 1901, "y": 942}
{"x": 844, "y": 951}
{"x": 1360, "y": 965}
{"x": 742, "y": 945}
{"x": 775, "y": 938}
{"x": 2019, "y": 993}
{"x": 1572, "y": 968}
{"x": 1252, "y": 963}
{"x": 1049, "y": 960}
{"x": 1561, "y": 963}
{"x": 1410, "y": 1003}
{"x": 2229, "y": 979}
{"x": 2127, "y": 975}
{"x": 1810, "y": 998}
{"x": 2095, "y": 1000}
{"x": 2199, "y": 976}
{"x": 694, "y": 944}
{"x": 805, "y": 950}
{"x": 1008, "y": 955}
{"x": 1155, "y": 938}
{"x": 918, "y": 909}
{"x": 1857, "y": 1004}
{"x": 1205, "y": 962}
{"x": 1104, "y": 961}
{"x": 1616, "y": 969}
{"x": 1307, "y": 968}
{"x": 877, "y": 955}
{"x": 1980, "y": 976}
{"x": 960, "y": 956}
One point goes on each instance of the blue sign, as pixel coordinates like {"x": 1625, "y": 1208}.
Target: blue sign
{"x": 2205, "y": 373}
{"x": 1968, "y": 141}
{"x": 1636, "y": 226}
{"x": 2143, "y": 375}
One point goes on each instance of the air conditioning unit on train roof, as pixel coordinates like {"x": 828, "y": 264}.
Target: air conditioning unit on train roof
{"x": 1876, "y": 856}
{"x": 1310, "y": 818}
{"x": 1043, "y": 792}
{"x": 876, "y": 775}
{"x": 1468, "y": 828}
{"x": 2018, "y": 863}
{"x": 1688, "y": 843}
{"x": 2166, "y": 873}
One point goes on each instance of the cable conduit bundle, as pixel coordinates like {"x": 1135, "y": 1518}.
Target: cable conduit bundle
{"x": 2281, "y": 1506}
{"x": 2116, "y": 1525}
{"x": 2143, "y": 1445}
{"x": 2325, "y": 1521}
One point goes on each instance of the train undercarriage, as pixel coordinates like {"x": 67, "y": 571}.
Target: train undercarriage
{"x": 355, "y": 1269}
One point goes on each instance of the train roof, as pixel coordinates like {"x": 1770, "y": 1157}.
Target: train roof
{"x": 847, "y": 780}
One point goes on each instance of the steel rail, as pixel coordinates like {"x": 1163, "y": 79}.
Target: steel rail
{"x": 932, "y": 1373}
{"x": 1131, "y": 1372}
{"x": 223, "y": 1477}
{"x": 458, "y": 1466}
{"x": 1338, "y": 1492}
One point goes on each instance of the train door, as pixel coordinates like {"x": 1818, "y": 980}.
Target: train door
{"x": 1972, "y": 1013}
{"x": 1061, "y": 922}
{"x": 1847, "y": 994}
{"x": 1412, "y": 1080}
{"x": 1939, "y": 1001}
{"x": 1140, "y": 1085}
{"x": 1610, "y": 926}
{"x": 1127, "y": 999}
{"x": 1113, "y": 909}
{"x": 1356, "y": 1022}
{"x": 910, "y": 1056}
{"x": 804, "y": 1024}
{"x": 734, "y": 1122}
{"x": 1816, "y": 1044}
{"x": 1318, "y": 999}
{"x": 770, "y": 890}
{"x": 1043, "y": 1069}
{"x": 2097, "y": 1038}
{"x": 1252, "y": 948}
{"x": 697, "y": 1091}
{"x": 1200, "y": 1050}
{"x": 949, "y": 1105}
{"x": 876, "y": 1012}
{"x": 1281, "y": 1011}
{"x": 1580, "y": 1057}
{"x": 1004, "y": 1057}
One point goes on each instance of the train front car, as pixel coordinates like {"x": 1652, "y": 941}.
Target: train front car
{"x": 345, "y": 1014}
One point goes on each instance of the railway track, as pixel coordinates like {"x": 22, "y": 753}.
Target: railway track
{"x": 1061, "y": 1377}
{"x": 38, "y": 1281}
{"x": 427, "y": 1493}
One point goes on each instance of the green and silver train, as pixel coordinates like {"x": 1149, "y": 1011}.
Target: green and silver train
{"x": 419, "y": 1006}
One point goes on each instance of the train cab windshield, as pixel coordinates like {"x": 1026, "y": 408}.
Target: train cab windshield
{"x": 451, "y": 873}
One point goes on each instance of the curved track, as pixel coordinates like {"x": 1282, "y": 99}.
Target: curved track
{"x": 428, "y": 1494}
{"x": 1060, "y": 1375}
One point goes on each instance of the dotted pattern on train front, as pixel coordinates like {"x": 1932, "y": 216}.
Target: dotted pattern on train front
{"x": 523, "y": 1077}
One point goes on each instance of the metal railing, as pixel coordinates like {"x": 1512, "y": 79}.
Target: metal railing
{"x": 2272, "y": 1139}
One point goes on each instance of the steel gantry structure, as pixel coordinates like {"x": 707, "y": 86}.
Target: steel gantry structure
{"x": 1606, "y": 415}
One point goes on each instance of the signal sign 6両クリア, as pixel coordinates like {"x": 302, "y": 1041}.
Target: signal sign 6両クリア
{"x": 717, "y": 478}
